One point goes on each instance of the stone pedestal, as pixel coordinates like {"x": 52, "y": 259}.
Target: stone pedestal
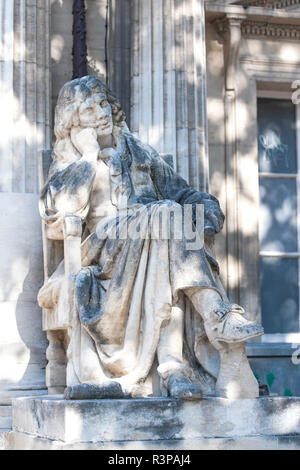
{"x": 42, "y": 423}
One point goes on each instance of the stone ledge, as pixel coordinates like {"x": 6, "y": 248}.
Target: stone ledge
{"x": 88, "y": 422}
{"x": 7, "y": 396}
{"x": 21, "y": 441}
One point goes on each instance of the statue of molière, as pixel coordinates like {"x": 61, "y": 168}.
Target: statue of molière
{"x": 140, "y": 301}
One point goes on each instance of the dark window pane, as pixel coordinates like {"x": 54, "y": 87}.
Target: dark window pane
{"x": 279, "y": 295}
{"x": 276, "y": 136}
{"x": 278, "y": 214}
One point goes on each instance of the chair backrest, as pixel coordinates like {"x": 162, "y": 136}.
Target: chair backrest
{"x": 53, "y": 249}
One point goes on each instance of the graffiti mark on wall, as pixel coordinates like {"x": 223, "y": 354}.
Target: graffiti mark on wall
{"x": 273, "y": 148}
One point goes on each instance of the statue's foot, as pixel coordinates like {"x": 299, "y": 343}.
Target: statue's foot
{"x": 180, "y": 387}
{"x": 91, "y": 391}
{"x": 231, "y": 327}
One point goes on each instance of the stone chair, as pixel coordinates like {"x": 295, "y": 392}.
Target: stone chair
{"x": 56, "y": 325}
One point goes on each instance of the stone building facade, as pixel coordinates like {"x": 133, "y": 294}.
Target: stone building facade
{"x": 210, "y": 83}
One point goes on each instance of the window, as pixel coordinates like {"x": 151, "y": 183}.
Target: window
{"x": 278, "y": 159}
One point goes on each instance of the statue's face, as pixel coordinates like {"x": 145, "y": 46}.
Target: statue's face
{"x": 96, "y": 112}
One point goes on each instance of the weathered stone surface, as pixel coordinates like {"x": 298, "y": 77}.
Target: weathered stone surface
{"x": 19, "y": 441}
{"x": 90, "y": 391}
{"x": 180, "y": 387}
{"x": 154, "y": 418}
{"x": 22, "y": 342}
{"x": 155, "y": 423}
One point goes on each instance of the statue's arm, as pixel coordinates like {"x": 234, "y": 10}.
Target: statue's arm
{"x": 172, "y": 186}
{"x": 66, "y": 192}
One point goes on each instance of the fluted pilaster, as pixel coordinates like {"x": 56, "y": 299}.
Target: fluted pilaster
{"x": 25, "y": 91}
{"x": 168, "y": 82}
{"x": 6, "y": 92}
{"x": 31, "y": 91}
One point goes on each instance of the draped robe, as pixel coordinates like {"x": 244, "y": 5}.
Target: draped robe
{"x": 128, "y": 299}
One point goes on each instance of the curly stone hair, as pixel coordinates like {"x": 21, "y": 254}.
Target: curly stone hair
{"x": 71, "y": 96}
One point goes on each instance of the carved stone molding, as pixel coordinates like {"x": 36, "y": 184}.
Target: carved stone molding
{"x": 222, "y": 25}
{"x": 272, "y": 30}
{"x": 258, "y": 28}
{"x": 273, "y": 4}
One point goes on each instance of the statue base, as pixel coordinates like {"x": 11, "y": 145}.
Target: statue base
{"x": 49, "y": 422}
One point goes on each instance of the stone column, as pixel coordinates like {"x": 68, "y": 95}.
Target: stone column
{"x": 25, "y": 129}
{"x": 168, "y": 82}
{"x": 230, "y": 28}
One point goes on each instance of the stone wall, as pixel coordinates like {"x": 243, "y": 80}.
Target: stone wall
{"x": 34, "y": 57}
{"x": 25, "y": 125}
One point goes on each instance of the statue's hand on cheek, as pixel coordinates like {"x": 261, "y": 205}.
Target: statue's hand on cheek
{"x": 119, "y": 150}
{"x": 85, "y": 141}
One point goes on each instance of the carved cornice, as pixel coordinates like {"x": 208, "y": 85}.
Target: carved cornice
{"x": 250, "y": 28}
{"x": 273, "y": 4}
{"x": 271, "y": 30}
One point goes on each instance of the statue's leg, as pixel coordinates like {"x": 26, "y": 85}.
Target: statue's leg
{"x": 227, "y": 331}
{"x": 223, "y": 322}
{"x": 85, "y": 378}
{"x": 174, "y": 373}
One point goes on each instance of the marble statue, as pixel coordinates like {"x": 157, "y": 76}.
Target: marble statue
{"x": 139, "y": 304}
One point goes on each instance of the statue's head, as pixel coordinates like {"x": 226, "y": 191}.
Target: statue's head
{"x": 87, "y": 102}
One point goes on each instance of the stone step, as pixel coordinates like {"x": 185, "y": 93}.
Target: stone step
{"x": 7, "y": 396}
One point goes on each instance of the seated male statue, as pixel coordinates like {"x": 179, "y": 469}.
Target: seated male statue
{"x": 140, "y": 302}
